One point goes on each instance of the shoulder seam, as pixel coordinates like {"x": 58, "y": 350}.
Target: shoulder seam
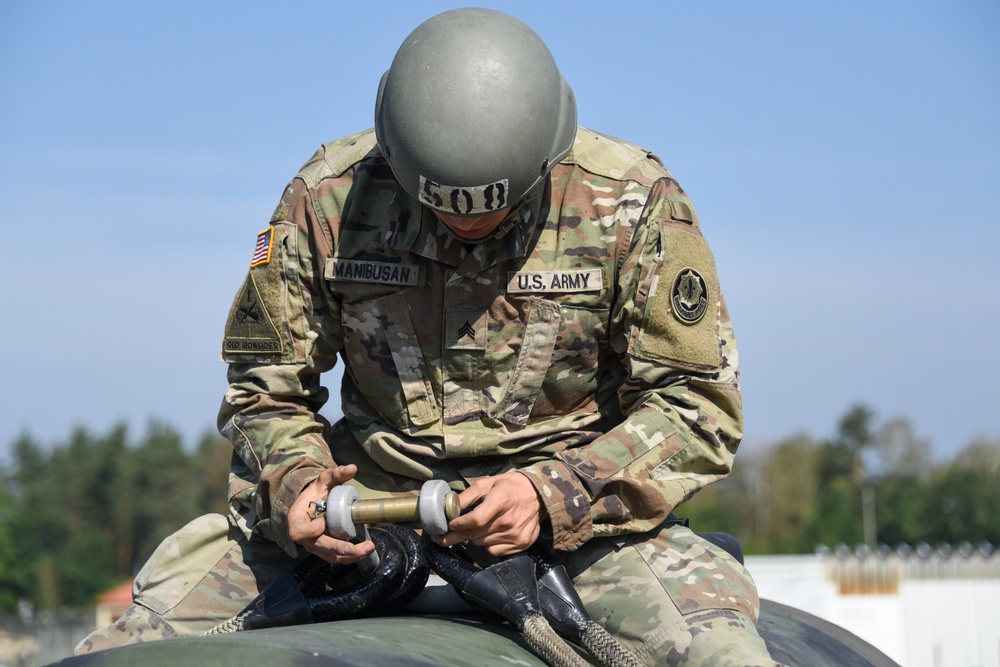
{"x": 335, "y": 158}
{"x": 342, "y": 154}
{"x": 625, "y": 158}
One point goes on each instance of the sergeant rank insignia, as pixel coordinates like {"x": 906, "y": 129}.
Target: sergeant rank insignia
{"x": 689, "y": 296}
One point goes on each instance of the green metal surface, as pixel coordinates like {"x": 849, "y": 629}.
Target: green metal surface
{"x": 407, "y": 641}
{"x": 794, "y": 638}
{"x": 797, "y": 639}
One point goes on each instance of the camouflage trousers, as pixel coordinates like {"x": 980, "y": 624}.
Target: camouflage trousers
{"x": 668, "y": 595}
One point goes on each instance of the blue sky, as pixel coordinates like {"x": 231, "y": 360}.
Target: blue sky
{"x": 843, "y": 157}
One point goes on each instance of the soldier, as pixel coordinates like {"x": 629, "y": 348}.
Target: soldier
{"x": 525, "y": 309}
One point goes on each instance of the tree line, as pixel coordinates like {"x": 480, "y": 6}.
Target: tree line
{"x": 870, "y": 483}
{"x": 78, "y": 517}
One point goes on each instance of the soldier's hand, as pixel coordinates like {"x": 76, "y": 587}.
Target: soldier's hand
{"x": 506, "y": 520}
{"x": 309, "y": 531}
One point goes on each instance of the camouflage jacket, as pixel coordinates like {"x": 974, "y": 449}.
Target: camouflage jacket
{"x": 586, "y": 343}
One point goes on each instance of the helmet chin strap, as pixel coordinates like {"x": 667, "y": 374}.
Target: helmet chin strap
{"x": 512, "y": 220}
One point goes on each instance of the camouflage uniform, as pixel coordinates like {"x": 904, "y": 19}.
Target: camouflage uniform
{"x": 585, "y": 343}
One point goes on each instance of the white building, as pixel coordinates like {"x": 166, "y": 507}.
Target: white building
{"x": 921, "y": 607}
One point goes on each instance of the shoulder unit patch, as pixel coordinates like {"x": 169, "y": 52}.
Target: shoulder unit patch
{"x": 249, "y": 329}
{"x": 689, "y": 296}
{"x": 681, "y": 324}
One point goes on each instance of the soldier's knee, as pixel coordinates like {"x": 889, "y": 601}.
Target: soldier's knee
{"x": 136, "y": 625}
{"x": 197, "y": 578}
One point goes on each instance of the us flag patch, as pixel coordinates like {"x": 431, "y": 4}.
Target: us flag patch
{"x": 262, "y": 251}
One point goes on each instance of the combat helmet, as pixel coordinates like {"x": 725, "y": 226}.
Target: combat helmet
{"x": 473, "y": 112}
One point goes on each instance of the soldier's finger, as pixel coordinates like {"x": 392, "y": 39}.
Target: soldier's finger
{"x": 331, "y": 477}
{"x": 471, "y": 527}
{"x": 339, "y": 551}
{"x": 475, "y": 493}
{"x": 303, "y": 526}
{"x": 478, "y": 519}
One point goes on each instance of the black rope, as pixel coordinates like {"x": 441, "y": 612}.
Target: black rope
{"x": 400, "y": 576}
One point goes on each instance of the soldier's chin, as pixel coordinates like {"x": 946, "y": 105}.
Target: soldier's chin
{"x": 469, "y": 235}
{"x": 472, "y": 228}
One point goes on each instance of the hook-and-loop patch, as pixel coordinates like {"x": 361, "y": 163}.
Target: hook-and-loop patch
{"x": 681, "y": 320}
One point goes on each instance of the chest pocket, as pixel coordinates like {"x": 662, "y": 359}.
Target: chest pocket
{"x": 557, "y": 346}
{"x": 533, "y": 361}
{"x": 386, "y": 362}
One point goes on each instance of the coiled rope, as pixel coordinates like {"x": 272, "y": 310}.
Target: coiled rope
{"x": 303, "y": 595}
